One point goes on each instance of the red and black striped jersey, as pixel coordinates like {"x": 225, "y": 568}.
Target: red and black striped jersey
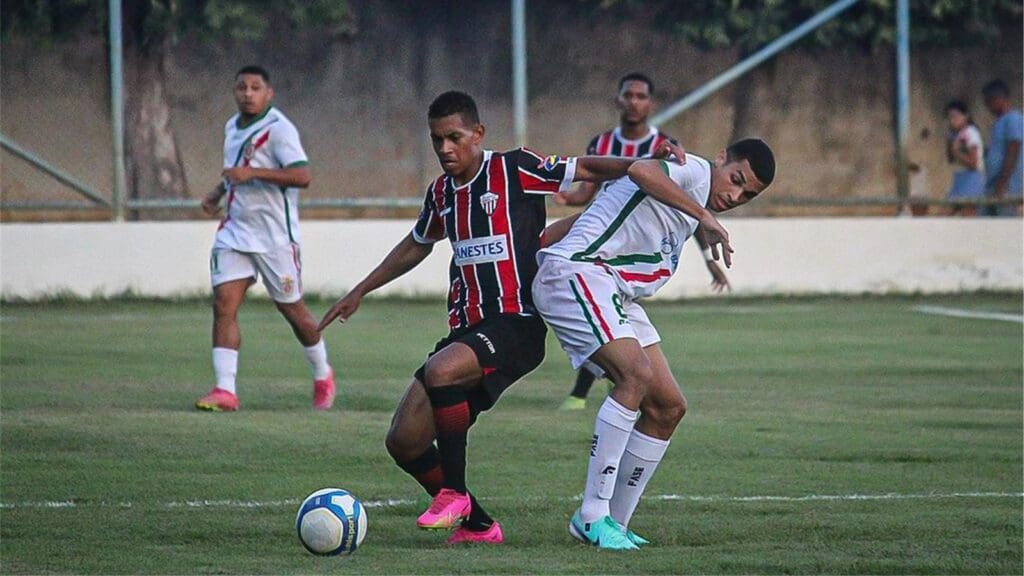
{"x": 612, "y": 143}
{"x": 494, "y": 224}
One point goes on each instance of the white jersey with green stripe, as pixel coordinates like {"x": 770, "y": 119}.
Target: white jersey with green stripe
{"x": 635, "y": 237}
{"x": 261, "y": 216}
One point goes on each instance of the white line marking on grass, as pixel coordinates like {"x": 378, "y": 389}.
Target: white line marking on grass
{"x": 961, "y": 313}
{"x": 391, "y": 503}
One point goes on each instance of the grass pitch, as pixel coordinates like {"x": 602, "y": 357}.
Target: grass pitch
{"x": 891, "y": 438}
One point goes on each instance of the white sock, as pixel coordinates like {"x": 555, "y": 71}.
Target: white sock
{"x": 611, "y": 432}
{"x": 225, "y": 367}
{"x": 639, "y": 461}
{"x": 316, "y": 355}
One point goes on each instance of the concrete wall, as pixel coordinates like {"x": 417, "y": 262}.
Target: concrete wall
{"x": 798, "y": 256}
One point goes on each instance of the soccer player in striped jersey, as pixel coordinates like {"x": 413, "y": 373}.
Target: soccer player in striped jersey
{"x": 264, "y": 168}
{"x": 624, "y": 247}
{"x": 491, "y": 207}
{"x": 634, "y": 137}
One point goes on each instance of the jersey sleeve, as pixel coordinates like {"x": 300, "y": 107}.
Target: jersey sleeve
{"x": 429, "y": 228}
{"x": 1015, "y": 128}
{"x": 540, "y": 175}
{"x": 689, "y": 176}
{"x": 592, "y": 147}
{"x": 286, "y": 146}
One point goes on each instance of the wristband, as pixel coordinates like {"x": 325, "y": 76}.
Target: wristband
{"x": 707, "y": 255}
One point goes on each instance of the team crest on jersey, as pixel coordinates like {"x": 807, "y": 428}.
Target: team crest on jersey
{"x": 287, "y": 284}
{"x": 551, "y": 162}
{"x": 250, "y": 150}
{"x": 489, "y": 201}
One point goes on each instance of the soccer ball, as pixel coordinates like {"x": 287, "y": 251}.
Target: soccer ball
{"x": 331, "y": 522}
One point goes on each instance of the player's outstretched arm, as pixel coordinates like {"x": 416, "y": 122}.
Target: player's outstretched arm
{"x": 603, "y": 168}
{"x": 651, "y": 178}
{"x": 293, "y": 177}
{"x": 405, "y": 256}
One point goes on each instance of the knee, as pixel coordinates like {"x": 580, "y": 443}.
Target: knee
{"x": 439, "y": 373}
{"x": 668, "y": 414}
{"x": 224, "y": 308}
{"x": 636, "y": 377}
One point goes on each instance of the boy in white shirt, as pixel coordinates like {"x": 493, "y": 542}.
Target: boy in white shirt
{"x": 264, "y": 167}
{"x": 625, "y": 246}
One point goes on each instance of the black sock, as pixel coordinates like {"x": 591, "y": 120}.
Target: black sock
{"x": 451, "y": 420}
{"x": 584, "y": 380}
{"x": 426, "y": 469}
{"x": 478, "y": 520}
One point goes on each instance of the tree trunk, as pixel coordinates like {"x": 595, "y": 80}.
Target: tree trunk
{"x": 747, "y": 121}
{"x": 153, "y": 164}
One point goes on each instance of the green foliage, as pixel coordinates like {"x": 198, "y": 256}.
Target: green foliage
{"x": 236, "y": 19}
{"x": 749, "y": 24}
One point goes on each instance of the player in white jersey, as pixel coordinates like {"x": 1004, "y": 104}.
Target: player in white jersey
{"x": 264, "y": 167}
{"x": 634, "y": 137}
{"x": 624, "y": 247}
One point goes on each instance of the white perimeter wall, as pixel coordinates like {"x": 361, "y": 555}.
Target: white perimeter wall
{"x": 795, "y": 256}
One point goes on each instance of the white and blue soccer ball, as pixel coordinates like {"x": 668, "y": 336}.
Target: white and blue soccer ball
{"x": 331, "y": 522}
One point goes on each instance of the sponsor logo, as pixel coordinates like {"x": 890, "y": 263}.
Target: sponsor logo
{"x": 617, "y": 302}
{"x": 593, "y": 446}
{"x": 287, "y": 284}
{"x": 487, "y": 341}
{"x": 608, "y": 470}
{"x": 669, "y": 243}
{"x": 550, "y": 163}
{"x": 480, "y": 250}
{"x": 635, "y": 476}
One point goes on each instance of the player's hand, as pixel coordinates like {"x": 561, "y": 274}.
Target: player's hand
{"x": 238, "y": 174}
{"x": 669, "y": 150}
{"x": 211, "y": 202}
{"x": 341, "y": 311}
{"x": 715, "y": 237}
{"x": 719, "y": 281}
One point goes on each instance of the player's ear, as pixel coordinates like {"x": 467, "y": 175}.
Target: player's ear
{"x": 478, "y": 132}
{"x": 270, "y": 92}
{"x": 721, "y": 157}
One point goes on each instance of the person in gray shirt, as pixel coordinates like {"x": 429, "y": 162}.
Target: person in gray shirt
{"x": 1003, "y": 161}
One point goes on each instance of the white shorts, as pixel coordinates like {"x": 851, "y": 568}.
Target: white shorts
{"x": 281, "y": 269}
{"x": 584, "y": 307}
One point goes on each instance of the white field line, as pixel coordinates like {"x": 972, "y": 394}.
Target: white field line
{"x": 390, "y": 503}
{"x": 961, "y": 313}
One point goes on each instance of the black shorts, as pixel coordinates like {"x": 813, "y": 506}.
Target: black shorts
{"x": 507, "y": 347}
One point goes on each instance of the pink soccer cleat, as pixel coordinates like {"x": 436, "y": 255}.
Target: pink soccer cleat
{"x": 323, "y": 392}
{"x": 218, "y": 400}
{"x": 447, "y": 508}
{"x": 492, "y": 535}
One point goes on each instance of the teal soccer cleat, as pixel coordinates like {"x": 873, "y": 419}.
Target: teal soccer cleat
{"x": 605, "y": 533}
{"x": 636, "y": 538}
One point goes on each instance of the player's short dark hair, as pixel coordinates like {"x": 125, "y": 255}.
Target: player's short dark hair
{"x": 454, "y": 102}
{"x": 958, "y": 105}
{"x": 637, "y": 77}
{"x": 256, "y": 70}
{"x": 760, "y": 156}
{"x": 995, "y": 89}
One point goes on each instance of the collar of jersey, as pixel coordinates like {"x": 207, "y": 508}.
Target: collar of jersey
{"x": 487, "y": 156}
{"x": 651, "y": 131}
{"x": 238, "y": 122}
